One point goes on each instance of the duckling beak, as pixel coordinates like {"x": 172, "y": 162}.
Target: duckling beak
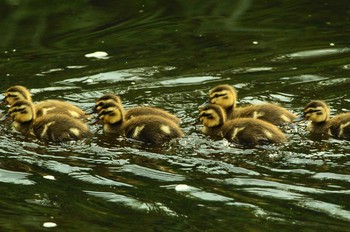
{"x": 198, "y": 122}
{"x": 4, "y": 102}
{"x": 96, "y": 120}
{"x": 204, "y": 104}
{"x": 91, "y": 111}
{"x": 299, "y": 118}
{"x": 4, "y": 117}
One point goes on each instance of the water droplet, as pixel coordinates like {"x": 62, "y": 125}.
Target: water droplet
{"x": 182, "y": 188}
{"x": 49, "y": 177}
{"x": 49, "y": 224}
{"x": 98, "y": 55}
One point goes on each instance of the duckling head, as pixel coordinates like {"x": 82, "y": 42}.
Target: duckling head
{"x": 316, "y": 111}
{"x": 111, "y": 112}
{"x": 211, "y": 115}
{"x": 22, "y": 111}
{"x": 102, "y": 100}
{"x": 16, "y": 93}
{"x": 223, "y": 95}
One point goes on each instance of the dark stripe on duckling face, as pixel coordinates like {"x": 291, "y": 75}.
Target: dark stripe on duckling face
{"x": 111, "y": 113}
{"x": 17, "y": 93}
{"x": 311, "y": 111}
{"x": 104, "y": 99}
{"x": 316, "y": 111}
{"x": 211, "y": 115}
{"x": 216, "y": 96}
{"x": 223, "y": 95}
{"x": 12, "y": 97}
{"x": 21, "y": 111}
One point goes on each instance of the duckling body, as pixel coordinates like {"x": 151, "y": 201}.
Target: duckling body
{"x": 226, "y": 97}
{"x": 17, "y": 92}
{"x": 252, "y": 131}
{"x": 147, "y": 128}
{"x": 50, "y": 127}
{"x": 136, "y": 111}
{"x": 321, "y": 123}
{"x": 239, "y": 130}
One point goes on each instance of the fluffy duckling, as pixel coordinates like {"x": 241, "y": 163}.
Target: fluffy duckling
{"x": 146, "y": 128}
{"x": 51, "y": 127}
{"x": 226, "y": 97}
{"x": 136, "y": 111}
{"x": 248, "y": 131}
{"x": 319, "y": 114}
{"x": 18, "y": 92}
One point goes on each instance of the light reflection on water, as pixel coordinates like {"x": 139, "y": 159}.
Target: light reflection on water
{"x": 107, "y": 180}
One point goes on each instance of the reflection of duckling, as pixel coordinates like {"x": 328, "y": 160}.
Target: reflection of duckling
{"x": 146, "y": 128}
{"x": 318, "y": 113}
{"x": 51, "y": 127}
{"x": 239, "y": 130}
{"x": 136, "y": 111}
{"x": 226, "y": 97}
{"x": 17, "y": 92}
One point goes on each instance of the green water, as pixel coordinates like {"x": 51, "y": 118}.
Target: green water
{"x": 169, "y": 54}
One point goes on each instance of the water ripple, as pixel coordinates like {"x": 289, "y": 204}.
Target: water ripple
{"x": 151, "y": 173}
{"x": 323, "y": 52}
{"x": 15, "y": 177}
{"x": 132, "y": 203}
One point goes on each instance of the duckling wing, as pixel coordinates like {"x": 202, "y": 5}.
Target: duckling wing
{"x": 339, "y": 126}
{"x": 151, "y": 129}
{"x": 252, "y": 131}
{"x": 59, "y": 128}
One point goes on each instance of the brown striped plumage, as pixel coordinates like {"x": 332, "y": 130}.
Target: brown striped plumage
{"x": 226, "y": 97}
{"x": 136, "y": 111}
{"x": 49, "y": 127}
{"x": 146, "y": 128}
{"x": 240, "y": 130}
{"x": 318, "y": 113}
{"x": 18, "y": 92}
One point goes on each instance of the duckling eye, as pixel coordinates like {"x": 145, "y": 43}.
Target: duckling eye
{"x": 100, "y": 104}
{"x": 15, "y": 97}
{"x": 219, "y": 95}
{"x": 106, "y": 112}
{"x": 312, "y": 111}
{"x": 209, "y": 116}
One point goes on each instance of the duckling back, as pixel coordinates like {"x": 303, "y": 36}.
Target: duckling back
{"x": 252, "y": 131}
{"x": 59, "y": 128}
{"x": 152, "y": 129}
{"x": 59, "y": 107}
{"x": 268, "y": 112}
{"x": 149, "y": 110}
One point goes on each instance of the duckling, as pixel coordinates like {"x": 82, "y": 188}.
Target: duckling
{"x": 249, "y": 131}
{"x": 226, "y": 97}
{"x": 136, "y": 111}
{"x": 50, "y": 127}
{"x": 319, "y": 114}
{"x": 18, "y": 92}
{"x": 147, "y": 128}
